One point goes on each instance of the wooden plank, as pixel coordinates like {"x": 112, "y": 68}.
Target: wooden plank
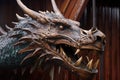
{"x": 78, "y": 9}
{"x": 69, "y": 8}
{"x": 72, "y": 9}
{"x": 113, "y": 48}
{"x": 109, "y": 49}
{"x": 64, "y": 5}
{"x": 118, "y": 44}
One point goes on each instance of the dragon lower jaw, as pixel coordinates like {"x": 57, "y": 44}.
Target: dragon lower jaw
{"x": 81, "y": 61}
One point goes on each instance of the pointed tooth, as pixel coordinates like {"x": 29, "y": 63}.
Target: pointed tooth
{"x": 47, "y": 11}
{"x": 62, "y": 51}
{"x": 52, "y": 12}
{"x": 87, "y": 58}
{"x": 15, "y": 71}
{"x": 57, "y": 50}
{"x": 52, "y": 73}
{"x": 23, "y": 71}
{"x": 9, "y": 28}
{"x": 96, "y": 64}
{"x": 19, "y": 17}
{"x": 59, "y": 70}
{"x": 69, "y": 59}
{"x": 78, "y": 62}
{"x": 77, "y": 51}
{"x": 89, "y": 65}
{"x": 15, "y": 23}
{"x": 2, "y": 31}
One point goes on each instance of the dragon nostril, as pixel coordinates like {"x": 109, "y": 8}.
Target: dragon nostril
{"x": 98, "y": 38}
{"x": 84, "y": 32}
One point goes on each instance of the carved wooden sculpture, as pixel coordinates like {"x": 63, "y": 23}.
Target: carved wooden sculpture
{"x": 50, "y": 38}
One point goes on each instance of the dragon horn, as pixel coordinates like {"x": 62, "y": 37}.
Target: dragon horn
{"x": 55, "y": 8}
{"x": 57, "y": 11}
{"x": 31, "y": 13}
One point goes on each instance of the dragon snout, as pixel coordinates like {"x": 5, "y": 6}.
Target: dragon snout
{"x": 92, "y": 39}
{"x": 99, "y": 37}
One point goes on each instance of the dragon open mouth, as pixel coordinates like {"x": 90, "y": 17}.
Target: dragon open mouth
{"x": 83, "y": 62}
{"x": 80, "y": 59}
{"x": 57, "y": 39}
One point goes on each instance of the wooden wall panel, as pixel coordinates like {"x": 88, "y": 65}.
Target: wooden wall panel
{"x": 108, "y": 21}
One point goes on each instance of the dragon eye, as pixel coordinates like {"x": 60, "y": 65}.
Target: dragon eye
{"x": 61, "y": 27}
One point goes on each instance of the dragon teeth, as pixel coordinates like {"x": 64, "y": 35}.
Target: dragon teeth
{"x": 59, "y": 70}
{"x": 77, "y": 51}
{"x": 87, "y": 58}
{"x": 69, "y": 59}
{"x": 62, "y": 51}
{"x": 52, "y": 73}
{"x": 89, "y": 65}
{"x": 57, "y": 50}
{"x": 78, "y": 62}
{"x": 96, "y": 64}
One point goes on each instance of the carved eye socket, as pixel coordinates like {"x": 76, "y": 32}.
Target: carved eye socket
{"x": 99, "y": 38}
{"x": 84, "y": 32}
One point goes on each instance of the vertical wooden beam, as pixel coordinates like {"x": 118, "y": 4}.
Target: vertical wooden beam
{"x": 64, "y": 5}
{"x": 78, "y": 9}
{"x": 118, "y": 43}
{"x": 72, "y": 9}
{"x": 69, "y": 8}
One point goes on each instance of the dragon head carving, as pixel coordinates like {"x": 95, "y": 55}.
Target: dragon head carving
{"x": 55, "y": 38}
